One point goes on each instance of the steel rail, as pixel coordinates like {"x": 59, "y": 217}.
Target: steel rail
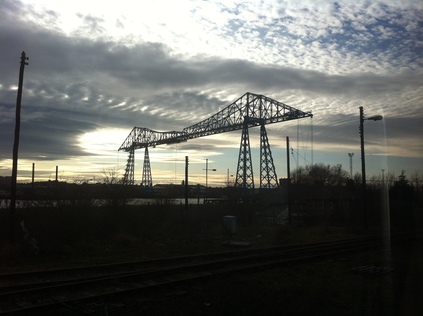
{"x": 25, "y": 298}
{"x": 33, "y": 278}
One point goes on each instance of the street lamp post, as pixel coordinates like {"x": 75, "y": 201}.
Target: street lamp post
{"x": 363, "y": 161}
{"x": 207, "y": 172}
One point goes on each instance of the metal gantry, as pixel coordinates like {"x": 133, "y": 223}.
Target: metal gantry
{"x": 250, "y": 110}
{"x": 128, "y": 178}
{"x": 244, "y": 174}
{"x": 268, "y": 177}
{"x": 147, "y": 179}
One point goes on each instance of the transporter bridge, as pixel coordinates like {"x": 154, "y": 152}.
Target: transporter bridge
{"x": 250, "y": 110}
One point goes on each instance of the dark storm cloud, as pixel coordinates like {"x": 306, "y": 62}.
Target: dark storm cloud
{"x": 50, "y": 136}
{"x": 403, "y": 127}
{"x": 74, "y": 85}
{"x": 151, "y": 65}
{"x": 392, "y": 133}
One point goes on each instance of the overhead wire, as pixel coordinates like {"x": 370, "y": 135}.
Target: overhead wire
{"x": 302, "y": 146}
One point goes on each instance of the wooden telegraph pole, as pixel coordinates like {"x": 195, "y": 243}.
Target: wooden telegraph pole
{"x": 288, "y": 171}
{"x": 15, "y": 150}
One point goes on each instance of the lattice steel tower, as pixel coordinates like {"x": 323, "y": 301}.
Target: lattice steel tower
{"x": 244, "y": 174}
{"x": 268, "y": 178}
{"x": 147, "y": 179}
{"x": 128, "y": 178}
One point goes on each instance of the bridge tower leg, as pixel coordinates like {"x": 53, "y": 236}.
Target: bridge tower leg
{"x": 128, "y": 178}
{"x": 147, "y": 179}
{"x": 268, "y": 178}
{"x": 244, "y": 174}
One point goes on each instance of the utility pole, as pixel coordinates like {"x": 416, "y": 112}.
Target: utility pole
{"x": 288, "y": 171}
{"x": 33, "y": 177}
{"x": 16, "y": 149}
{"x": 363, "y": 168}
{"x": 186, "y": 184}
{"x": 351, "y": 169}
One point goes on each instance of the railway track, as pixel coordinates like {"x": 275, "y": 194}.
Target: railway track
{"x": 32, "y": 292}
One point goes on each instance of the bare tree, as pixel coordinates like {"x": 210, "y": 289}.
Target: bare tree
{"x": 416, "y": 180}
{"x": 375, "y": 182}
{"x": 357, "y": 177}
{"x": 390, "y": 179}
{"x": 114, "y": 190}
{"x": 320, "y": 174}
{"x": 337, "y": 176}
{"x": 299, "y": 175}
{"x": 111, "y": 176}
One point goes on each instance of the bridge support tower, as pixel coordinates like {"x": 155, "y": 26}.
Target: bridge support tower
{"x": 147, "y": 179}
{"x": 244, "y": 174}
{"x": 128, "y": 178}
{"x": 268, "y": 178}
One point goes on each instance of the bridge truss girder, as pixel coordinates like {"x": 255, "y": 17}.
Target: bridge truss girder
{"x": 259, "y": 109}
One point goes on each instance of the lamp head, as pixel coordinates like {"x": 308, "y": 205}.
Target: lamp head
{"x": 375, "y": 118}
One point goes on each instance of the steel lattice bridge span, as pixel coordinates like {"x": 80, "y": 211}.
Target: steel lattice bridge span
{"x": 250, "y": 110}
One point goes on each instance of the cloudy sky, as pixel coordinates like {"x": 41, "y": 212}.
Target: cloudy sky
{"x": 99, "y": 68}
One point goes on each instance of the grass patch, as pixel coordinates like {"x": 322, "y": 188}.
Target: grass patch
{"x": 86, "y": 234}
